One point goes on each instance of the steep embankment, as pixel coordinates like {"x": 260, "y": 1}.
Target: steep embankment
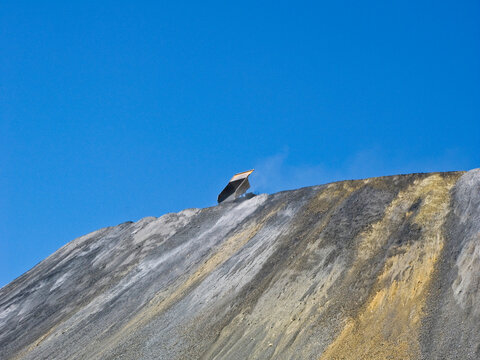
{"x": 383, "y": 268}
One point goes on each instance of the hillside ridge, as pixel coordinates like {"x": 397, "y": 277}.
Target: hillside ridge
{"x": 385, "y": 267}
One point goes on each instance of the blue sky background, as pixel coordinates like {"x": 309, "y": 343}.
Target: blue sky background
{"x": 113, "y": 111}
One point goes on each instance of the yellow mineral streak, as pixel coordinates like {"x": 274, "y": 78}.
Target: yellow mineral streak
{"x": 162, "y": 301}
{"x": 32, "y": 346}
{"x": 326, "y": 202}
{"x": 333, "y": 193}
{"x": 279, "y": 310}
{"x": 388, "y": 326}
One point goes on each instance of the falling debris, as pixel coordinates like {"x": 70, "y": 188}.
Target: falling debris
{"x": 236, "y": 187}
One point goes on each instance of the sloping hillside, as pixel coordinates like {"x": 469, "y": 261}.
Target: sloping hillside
{"x": 383, "y": 268}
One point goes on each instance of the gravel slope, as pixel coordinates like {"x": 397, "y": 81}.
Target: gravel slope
{"x": 382, "y": 268}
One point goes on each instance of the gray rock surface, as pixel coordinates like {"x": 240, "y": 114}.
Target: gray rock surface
{"x": 382, "y": 268}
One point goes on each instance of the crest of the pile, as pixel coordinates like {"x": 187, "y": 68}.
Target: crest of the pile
{"x": 236, "y": 187}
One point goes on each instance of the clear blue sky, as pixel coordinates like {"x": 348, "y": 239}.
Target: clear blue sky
{"x": 113, "y": 111}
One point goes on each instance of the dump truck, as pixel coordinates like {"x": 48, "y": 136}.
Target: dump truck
{"x": 237, "y": 186}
